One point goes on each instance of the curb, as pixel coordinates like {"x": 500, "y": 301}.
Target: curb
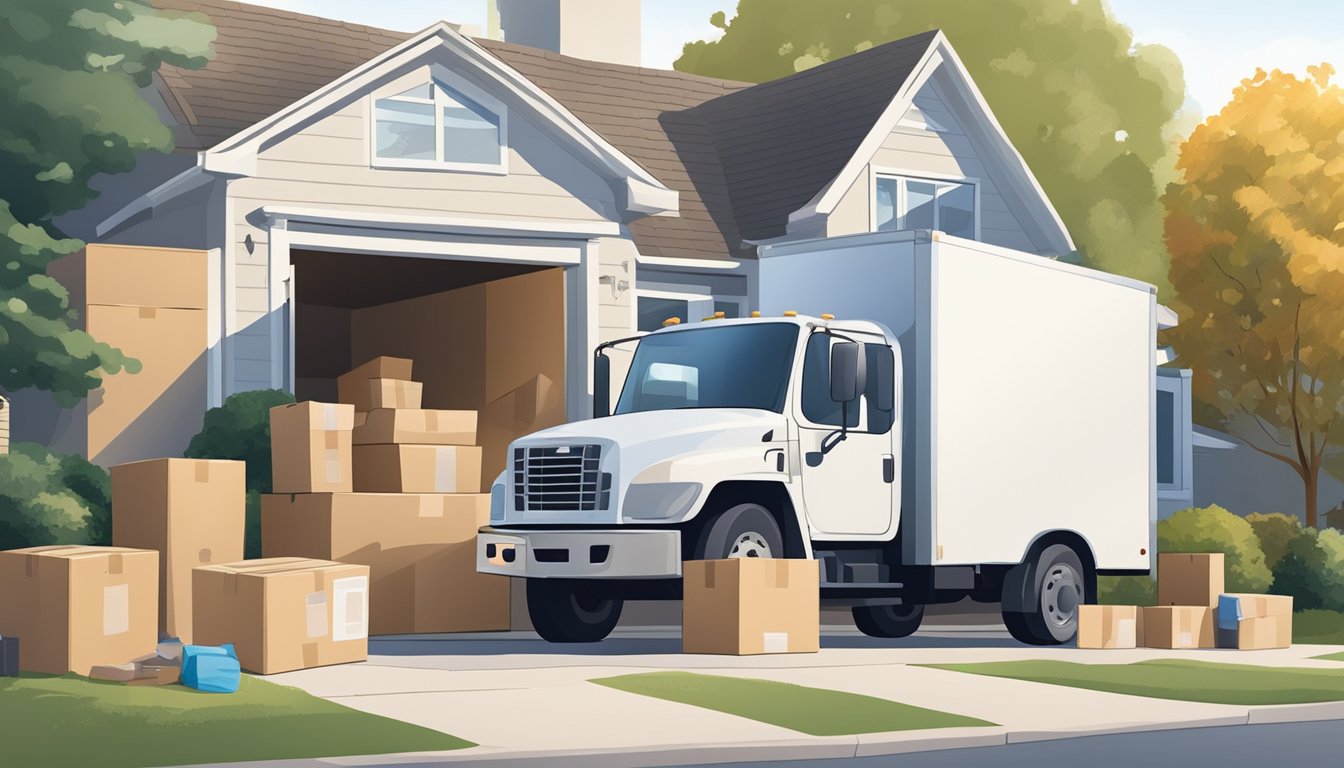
{"x": 1026, "y": 737}
{"x": 1296, "y": 713}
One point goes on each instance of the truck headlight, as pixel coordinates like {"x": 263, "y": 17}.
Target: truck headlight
{"x": 497, "y": 497}
{"x": 659, "y": 501}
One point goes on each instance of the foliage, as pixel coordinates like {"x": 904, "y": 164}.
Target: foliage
{"x": 48, "y": 498}
{"x": 1276, "y": 532}
{"x": 1257, "y": 262}
{"x": 70, "y": 74}
{"x": 1126, "y": 590}
{"x": 240, "y": 429}
{"x": 1214, "y": 529}
{"x": 1318, "y": 627}
{"x": 1093, "y": 114}
{"x": 1312, "y": 570}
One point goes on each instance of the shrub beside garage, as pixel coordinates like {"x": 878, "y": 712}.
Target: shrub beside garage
{"x": 51, "y": 498}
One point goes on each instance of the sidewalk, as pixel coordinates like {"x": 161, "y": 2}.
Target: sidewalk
{"x": 525, "y": 701}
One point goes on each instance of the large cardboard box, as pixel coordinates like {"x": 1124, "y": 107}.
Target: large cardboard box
{"x": 135, "y": 276}
{"x": 1184, "y": 579}
{"x": 751, "y": 606}
{"x": 191, "y": 511}
{"x": 394, "y": 393}
{"x": 420, "y": 550}
{"x": 1110, "y": 626}
{"x": 75, "y": 607}
{"x": 284, "y": 613}
{"x": 417, "y": 469}
{"x": 1255, "y": 622}
{"x": 1178, "y": 626}
{"x": 354, "y": 387}
{"x": 415, "y": 427}
{"x": 310, "y": 448}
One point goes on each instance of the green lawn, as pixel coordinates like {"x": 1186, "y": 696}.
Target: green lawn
{"x": 1177, "y": 679}
{"x": 72, "y": 721}
{"x": 1331, "y": 657}
{"x": 1318, "y": 627}
{"x": 814, "y": 711}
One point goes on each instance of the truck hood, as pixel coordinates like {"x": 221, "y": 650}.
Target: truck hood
{"x": 685, "y": 426}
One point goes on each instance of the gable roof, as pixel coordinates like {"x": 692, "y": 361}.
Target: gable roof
{"x": 742, "y": 157}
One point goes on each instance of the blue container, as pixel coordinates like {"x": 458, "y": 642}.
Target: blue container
{"x": 213, "y": 669}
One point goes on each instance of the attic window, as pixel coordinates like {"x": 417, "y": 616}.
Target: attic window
{"x": 436, "y": 125}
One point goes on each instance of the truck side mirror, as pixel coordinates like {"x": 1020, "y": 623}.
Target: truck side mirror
{"x": 847, "y": 371}
{"x": 601, "y": 385}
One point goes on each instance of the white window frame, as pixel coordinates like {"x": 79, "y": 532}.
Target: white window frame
{"x": 452, "y": 81}
{"x": 903, "y": 177}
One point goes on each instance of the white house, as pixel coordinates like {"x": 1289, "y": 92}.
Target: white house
{"x": 496, "y": 210}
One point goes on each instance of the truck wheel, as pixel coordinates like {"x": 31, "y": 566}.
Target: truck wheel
{"x": 1054, "y": 585}
{"x": 746, "y": 530}
{"x": 888, "y": 620}
{"x": 570, "y": 612}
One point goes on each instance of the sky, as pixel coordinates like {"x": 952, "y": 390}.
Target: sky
{"x": 1218, "y": 41}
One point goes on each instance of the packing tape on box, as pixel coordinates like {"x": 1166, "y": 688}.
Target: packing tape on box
{"x": 432, "y": 506}
{"x": 350, "y": 608}
{"x": 202, "y": 472}
{"x": 29, "y": 565}
{"x": 148, "y": 313}
{"x": 1125, "y": 633}
{"x": 310, "y": 655}
{"x": 116, "y": 609}
{"x": 431, "y": 421}
{"x": 205, "y": 556}
{"x": 709, "y": 574}
{"x": 329, "y": 416}
{"x": 445, "y": 469}
{"x": 775, "y": 642}
{"x": 781, "y": 575}
{"x": 316, "y": 617}
{"x": 115, "y": 564}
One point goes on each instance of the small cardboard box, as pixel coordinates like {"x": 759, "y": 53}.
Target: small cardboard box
{"x": 76, "y": 607}
{"x": 1178, "y": 626}
{"x": 751, "y": 606}
{"x": 420, "y": 549}
{"x": 1110, "y": 626}
{"x": 191, "y": 511}
{"x": 1255, "y": 622}
{"x": 417, "y": 469}
{"x": 353, "y": 387}
{"x": 1184, "y": 579}
{"x": 385, "y": 426}
{"x": 394, "y": 393}
{"x": 284, "y": 613}
{"x": 310, "y": 448}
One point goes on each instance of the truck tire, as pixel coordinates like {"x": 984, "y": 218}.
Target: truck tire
{"x": 745, "y": 530}
{"x": 1052, "y": 586}
{"x": 570, "y": 612}
{"x": 890, "y": 621}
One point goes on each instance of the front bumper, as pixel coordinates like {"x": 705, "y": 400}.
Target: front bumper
{"x": 580, "y": 554}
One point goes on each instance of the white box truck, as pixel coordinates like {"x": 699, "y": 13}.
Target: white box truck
{"x": 983, "y": 428}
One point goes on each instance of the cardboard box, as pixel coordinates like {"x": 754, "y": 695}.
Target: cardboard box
{"x": 354, "y": 388}
{"x": 417, "y": 469}
{"x": 1255, "y": 622}
{"x": 191, "y": 511}
{"x": 1178, "y": 626}
{"x": 135, "y": 276}
{"x": 1189, "y": 579}
{"x": 310, "y": 448}
{"x": 75, "y": 607}
{"x": 1110, "y": 626}
{"x": 415, "y": 427}
{"x": 420, "y": 550}
{"x": 394, "y": 393}
{"x": 751, "y": 606}
{"x": 284, "y": 613}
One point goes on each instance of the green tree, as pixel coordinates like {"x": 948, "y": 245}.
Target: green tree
{"x": 70, "y": 74}
{"x": 1094, "y": 115}
{"x": 1257, "y": 262}
{"x": 48, "y": 498}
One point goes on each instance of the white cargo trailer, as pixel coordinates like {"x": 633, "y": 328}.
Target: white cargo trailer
{"x": 976, "y": 422}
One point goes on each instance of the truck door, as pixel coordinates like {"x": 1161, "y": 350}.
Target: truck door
{"x": 851, "y": 484}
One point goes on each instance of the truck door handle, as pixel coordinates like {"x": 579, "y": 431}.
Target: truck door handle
{"x": 888, "y": 468}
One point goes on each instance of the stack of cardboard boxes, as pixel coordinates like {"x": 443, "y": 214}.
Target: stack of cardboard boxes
{"x": 1193, "y": 611}
{"x": 396, "y": 489}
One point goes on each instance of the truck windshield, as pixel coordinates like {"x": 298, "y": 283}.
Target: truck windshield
{"x": 728, "y": 366}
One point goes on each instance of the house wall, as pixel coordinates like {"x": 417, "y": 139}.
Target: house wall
{"x": 948, "y": 154}
{"x": 1242, "y": 480}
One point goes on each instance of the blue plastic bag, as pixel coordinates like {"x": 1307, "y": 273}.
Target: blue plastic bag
{"x": 213, "y": 669}
{"x": 1229, "y": 612}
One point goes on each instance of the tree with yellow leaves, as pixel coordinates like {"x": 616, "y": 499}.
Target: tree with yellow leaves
{"x": 1255, "y": 229}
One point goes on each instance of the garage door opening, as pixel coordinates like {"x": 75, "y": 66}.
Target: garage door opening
{"x": 488, "y": 337}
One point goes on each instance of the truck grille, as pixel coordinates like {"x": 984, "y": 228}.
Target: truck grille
{"x": 559, "y": 478}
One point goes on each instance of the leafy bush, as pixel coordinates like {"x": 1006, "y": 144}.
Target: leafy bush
{"x": 1276, "y": 532}
{"x": 48, "y": 498}
{"x": 1312, "y": 571}
{"x": 240, "y": 429}
{"x": 1214, "y": 529}
{"x": 1126, "y": 590}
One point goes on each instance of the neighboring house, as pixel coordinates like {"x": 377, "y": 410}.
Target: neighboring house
{"x": 1240, "y": 479}
{"x": 486, "y": 206}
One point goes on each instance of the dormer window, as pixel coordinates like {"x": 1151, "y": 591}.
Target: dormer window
{"x": 902, "y": 202}
{"x": 437, "y": 125}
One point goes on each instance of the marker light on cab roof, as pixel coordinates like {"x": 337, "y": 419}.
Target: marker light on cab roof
{"x": 755, "y": 313}
{"x": 827, "y": 316}
{"x": 672, "y": 321}
{"x": 790, "y": 313}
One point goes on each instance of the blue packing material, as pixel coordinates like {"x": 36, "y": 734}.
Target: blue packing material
{"x": 213, "y": 669}
{"x": 1229, "y": 611}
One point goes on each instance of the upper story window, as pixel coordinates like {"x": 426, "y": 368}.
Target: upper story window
{"x": 903, "y": 203}
{"x": 436, "y": 125}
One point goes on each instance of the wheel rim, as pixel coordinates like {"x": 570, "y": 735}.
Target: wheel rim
{"x": 749, "y": 544}
{"x": 591, "y": 609}
{"x": 1060, "y": 594}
